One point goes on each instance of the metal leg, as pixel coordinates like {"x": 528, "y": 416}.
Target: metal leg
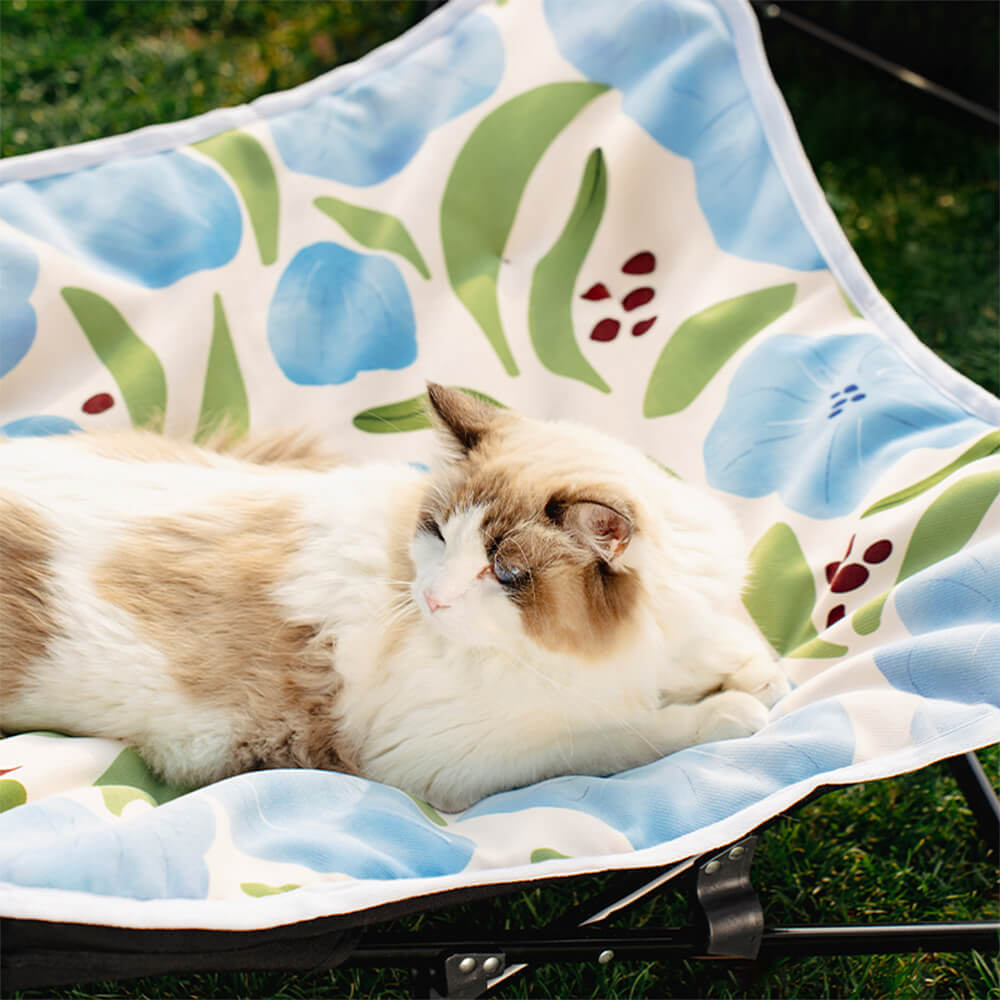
{"x": 975, "y": 785}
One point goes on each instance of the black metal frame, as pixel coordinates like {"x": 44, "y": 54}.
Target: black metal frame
{"x": 726, "y": 923}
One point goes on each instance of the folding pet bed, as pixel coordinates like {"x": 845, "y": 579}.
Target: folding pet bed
{"x": 594, "y": 209}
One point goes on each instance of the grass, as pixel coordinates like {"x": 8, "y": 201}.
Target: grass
{"x": 917, "y": 194}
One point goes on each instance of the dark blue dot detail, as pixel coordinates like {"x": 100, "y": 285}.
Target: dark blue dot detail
{"x": 834, "y": 395}
{"x": 860, "y": 395}
{"x": 840, "y": 402}
{"x": 834, "y": 413}
{"x": 850, "y": 388}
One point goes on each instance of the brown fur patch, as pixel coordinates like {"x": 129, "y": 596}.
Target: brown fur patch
{"x": 572, "y": 601}
{"x": 288, "y": 448}
{"x": 26, "y": 614}
{"x": 201, "y": 588}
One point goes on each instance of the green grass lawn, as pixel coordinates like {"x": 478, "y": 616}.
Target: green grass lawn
{"x": 917, "y": 193}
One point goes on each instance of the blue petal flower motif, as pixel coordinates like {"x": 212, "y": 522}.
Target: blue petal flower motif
{"x": 676, "y": 67}
{"x": 57, "y": 843}
{"x": 818, "y": 419}
{"x": 149, "y": 219}
{"x": 961, "y": 590}
{"x": 700, "y": 785}
{"x": 373, "y": 127}
{"x": 38, "y": 426}
{"x": 336, "y": 312}
{"x": 337, "y": 823}
{"x": 18, "y": 274}
{"x": 955, "y": 664}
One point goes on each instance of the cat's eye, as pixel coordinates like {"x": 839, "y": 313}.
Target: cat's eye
{"x": 509, "y": 576}
{"x": 430, "y": 525}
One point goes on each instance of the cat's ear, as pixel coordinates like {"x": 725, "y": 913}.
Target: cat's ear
{"x": 606, "y": 530}
{"x": 459, "y": 417}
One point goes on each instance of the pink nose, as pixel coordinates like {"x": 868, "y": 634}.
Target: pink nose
{"x": 433, "y": 604}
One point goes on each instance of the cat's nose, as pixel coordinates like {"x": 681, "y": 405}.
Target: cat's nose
{"x": 433, "y": 604}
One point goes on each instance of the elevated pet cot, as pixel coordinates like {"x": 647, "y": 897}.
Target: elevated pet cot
{"x": 597, "y": 210}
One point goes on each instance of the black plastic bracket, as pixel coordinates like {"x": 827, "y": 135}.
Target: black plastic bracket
{"x": 726, "y": 904}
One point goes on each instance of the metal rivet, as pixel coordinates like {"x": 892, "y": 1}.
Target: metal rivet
{"x": 772, "y": 10}
{"x": 467, "y": 965}
{"x": 491, "y": 965}
{"x": 737, "y": 852}
{"x": 712, "y": 867}
{"x": 605, "y": 956}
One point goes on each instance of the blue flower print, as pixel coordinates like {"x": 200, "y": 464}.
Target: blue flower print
{"x": 38, "y": 426}
{"x": 336, "y": 823}
{"x": 700, "y": 785}
{"x": 676, "y": 67}
{"x": 336, "y": 313}
{"x": 18, "y": 274}
{"x": 149, "y": 219}
{"x": 373, "y": 127}
{"x": 819, "y": 419}
{"x": 957, "y": 664}
{"x": 961, "y": 590}
{"x": 59, "y": 844}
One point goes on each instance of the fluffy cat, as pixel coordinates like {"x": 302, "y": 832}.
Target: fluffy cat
{"x": 545, "y": 601}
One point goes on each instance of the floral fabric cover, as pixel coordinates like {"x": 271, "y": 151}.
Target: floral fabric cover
{"x": 594, "y": 209}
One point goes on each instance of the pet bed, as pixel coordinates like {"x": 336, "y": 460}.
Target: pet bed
{"x": 596, "y": 210}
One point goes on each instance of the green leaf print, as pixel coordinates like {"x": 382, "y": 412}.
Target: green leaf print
{"x": 129, "y": 770}
{"x": 545, "y": 854}
{"x": 429, "y": 811}
{"x": 249, "y": 167}
{"x": 260, "y": 889}
{"x": 781, "y": 595}
{"x": 225, "y": 396}
{"x": 406, "y": 415}
{"x": 117, "y": 797}
{"x": 132, "y": 362}
{"x": 943, "y": 529}
{"x": 12, "y": 793}
{"x": 703, "y": 343}
{"x": 373, "y": 229}
{"x": 987, "y": 445}
{"x": 550, "y": 314}
{"x": 484, "y": 190}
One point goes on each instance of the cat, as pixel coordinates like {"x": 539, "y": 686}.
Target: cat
{"x": 546, "y": 600}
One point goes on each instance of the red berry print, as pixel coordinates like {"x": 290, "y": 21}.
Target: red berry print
{"x": 98, "y": 403}
{"x": 878, "y": 551}
{"x": 835, "y": 615}
{"x": 849, "y": 577}
{"x": 831, "y": 571}
{"x": 641, "y": 263}
{"x": 637, "y": 297}
{"x": 640, "y": 328}
{"x": 596, "y": 292}
{"x": 606, "y": 330}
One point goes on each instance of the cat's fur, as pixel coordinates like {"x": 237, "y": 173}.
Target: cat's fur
{"x": 545, "y": 601}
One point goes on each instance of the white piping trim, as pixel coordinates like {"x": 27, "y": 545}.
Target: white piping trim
{"x": 170, "y": 135}
{"x": 822, "y": 224}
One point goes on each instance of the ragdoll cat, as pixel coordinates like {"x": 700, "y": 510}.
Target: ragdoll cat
{"x": 545, "y": 601}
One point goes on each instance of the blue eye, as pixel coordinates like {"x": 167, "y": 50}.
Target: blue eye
{"x": 509, "y": 576}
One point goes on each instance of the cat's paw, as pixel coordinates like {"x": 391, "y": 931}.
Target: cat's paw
{"x": 730, "y": 715}
{"x": 761, "y": 676}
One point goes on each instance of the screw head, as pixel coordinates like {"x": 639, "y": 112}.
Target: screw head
{"x": 737, "y": 852}
{"x": 467, "y": 965}
{"x": 491, "y": 965}
{"x": 712, "y": 867}
{"x": 605, "y": 956}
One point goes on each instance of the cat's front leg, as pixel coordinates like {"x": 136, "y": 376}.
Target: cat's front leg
{"x": 723, "y": 716}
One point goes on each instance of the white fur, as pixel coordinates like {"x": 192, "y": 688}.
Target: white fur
{"x": 464, "y": 703}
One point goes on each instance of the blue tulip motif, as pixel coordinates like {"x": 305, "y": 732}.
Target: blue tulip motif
{"x": 18, "y": 275}
{"x": 680, "y": 81}
{"x": 818, "y": 419}
{"x": 337, "y": 312}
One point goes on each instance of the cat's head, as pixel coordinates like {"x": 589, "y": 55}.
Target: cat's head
{"x": 530, "y": 530}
